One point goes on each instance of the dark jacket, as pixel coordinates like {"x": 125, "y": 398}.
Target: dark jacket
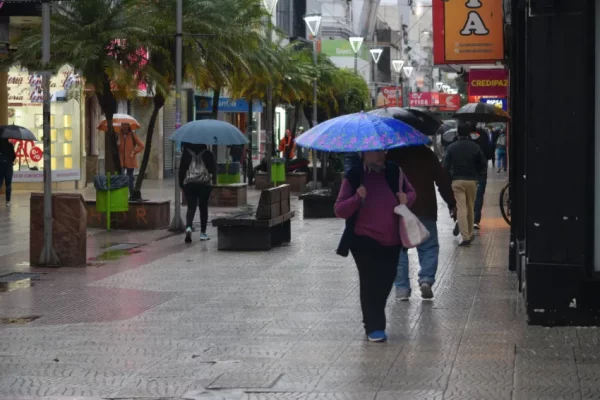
{"x": 465, "y": 161}
{"x": 186, "y": 160}
{"x": 355, "y": 177}
{"x": 7, "y": 152}
{"x": 483, "y": 141}
{"x": 423, "y": 169}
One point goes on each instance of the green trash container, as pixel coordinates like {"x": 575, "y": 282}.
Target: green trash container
{"x": 112, "y": 195}
{"x": 278, "y": 171}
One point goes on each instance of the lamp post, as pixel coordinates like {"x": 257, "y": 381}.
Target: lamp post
{"x": 270, "y": 7}
{"x": 313, "y": 23}
{"x": 407, "y": 73}
{"x": 398, "y": 64}
{"x": 376, "y": 55}
{"x": 356, "y": 43}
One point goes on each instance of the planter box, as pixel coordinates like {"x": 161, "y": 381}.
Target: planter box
{"x": 318, "y": 204}
{"x": 297, "y": 181}
{"x": 260, "y": 181}
{"x": 234, "y": 195}
{"x": 143, "y": 215}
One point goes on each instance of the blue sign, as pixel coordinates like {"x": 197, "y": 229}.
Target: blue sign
{"x": 204, "y": 104}
{"x": 500, "y": 103}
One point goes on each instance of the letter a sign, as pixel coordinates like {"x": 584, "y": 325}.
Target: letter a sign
{"x": 468, "y": 31}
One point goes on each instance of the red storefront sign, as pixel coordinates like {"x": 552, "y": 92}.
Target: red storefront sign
{"x": 488, "y": 82}
{"x": 421, "y": 99}
{"x": 449, "y": 102}
{"x": 387, "y": 97}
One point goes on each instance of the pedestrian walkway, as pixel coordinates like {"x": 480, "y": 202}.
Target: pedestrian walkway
{"x": 177, "y": 321}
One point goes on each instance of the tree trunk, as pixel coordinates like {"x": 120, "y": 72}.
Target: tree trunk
{"x": 159, "y": 102}
{"x": 297, "y": 109}
{"x": 108, "y": 104}
{"x": 275, "y": 144}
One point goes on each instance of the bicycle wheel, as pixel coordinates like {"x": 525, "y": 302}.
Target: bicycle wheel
{"x": 505, "y": 203}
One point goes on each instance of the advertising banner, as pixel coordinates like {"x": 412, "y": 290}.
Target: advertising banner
{"x": 421, "y": 99}
{"x": 488, "y": 82}
{"x": 468, "y": 31}
{"x": 500, "y": 103}
{"x": 387, "y": 97}
{"x": 449, "y": 102}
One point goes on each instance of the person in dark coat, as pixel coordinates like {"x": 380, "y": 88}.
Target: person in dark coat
{"x": 424, "y": 171}
{"x": 7, "y": 160}
{"x": 196, "y": 185}
{"x": 481, "y": 137}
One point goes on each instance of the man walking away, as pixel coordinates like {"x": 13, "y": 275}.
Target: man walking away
{"x": 7, "y": 160}
{"x": 501, "y": 152}
{"x": 423, "y": 169}
{"x": 480, "y": 136}
{"x": 465, "y": 162}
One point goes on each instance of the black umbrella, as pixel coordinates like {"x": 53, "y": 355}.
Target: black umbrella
{"x": 16, "y": 132}
{"x": 431, "y": 121}
{"x": 481, "y": 112}
{"x": 407, "y": 117}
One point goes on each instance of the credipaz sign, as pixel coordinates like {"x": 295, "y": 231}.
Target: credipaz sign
{"x": 488, "y": 82}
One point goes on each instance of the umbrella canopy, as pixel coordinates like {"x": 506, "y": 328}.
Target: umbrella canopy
{"x": 118, "y": 121}
{"x": 481, "y": 112}
{"x": 16, "y": 132}
{"x": 430, "y": 121}
{"x": 417, "y": 119}
{"x": 361, "y": 132}
{"x": 209, "y": 132}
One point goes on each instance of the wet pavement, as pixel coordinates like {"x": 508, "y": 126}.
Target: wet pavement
{"x": 178, "y": 321}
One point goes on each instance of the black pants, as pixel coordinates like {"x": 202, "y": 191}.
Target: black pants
{"x": 129, "y": 173}
{"x": 377, "y": 266}
{"x": 6, "y": 176}
{"x": 197, "y": 196}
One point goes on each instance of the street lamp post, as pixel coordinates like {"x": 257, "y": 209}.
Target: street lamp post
{"x": 270, "y": 7}
{"x": 376, "y": 54}
{"x": 407, "y": 73}
{"x": 313, "y": 23}
{"x": 356, "y": 43}
{"x": 177, "y": 224}
{"x": 398, "y": 64}
{"x": 48, "y": 256}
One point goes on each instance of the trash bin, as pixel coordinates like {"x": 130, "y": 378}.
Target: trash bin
{"x": 278, "y": 171}
{"x": 69, "y": 229}
{"x": 112, "y": 193}
{"x": 228, "y": 173}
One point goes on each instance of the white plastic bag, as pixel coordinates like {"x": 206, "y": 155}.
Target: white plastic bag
{"x": 412, "y": 232}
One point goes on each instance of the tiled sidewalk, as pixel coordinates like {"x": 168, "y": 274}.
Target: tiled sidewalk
{"x": 192, "y": 322}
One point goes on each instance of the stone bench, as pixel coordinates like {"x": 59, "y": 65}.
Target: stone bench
{"x": 142, "y": 215}
{"x": 268, "y": 226}
{"x": 318, "y": 204}
{"x": 232, "y": 195}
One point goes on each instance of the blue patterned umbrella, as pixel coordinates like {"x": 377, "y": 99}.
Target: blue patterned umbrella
{"x": 361, "y": 132}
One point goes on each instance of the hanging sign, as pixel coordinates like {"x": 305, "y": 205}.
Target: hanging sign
{"x": 468, "y": 31}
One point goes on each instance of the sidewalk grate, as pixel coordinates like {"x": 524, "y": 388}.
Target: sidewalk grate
{"x": 17, "y": 320}
{"x": 16, "y": 280}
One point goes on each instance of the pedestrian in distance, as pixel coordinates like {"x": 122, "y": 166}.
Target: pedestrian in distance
{"x": 482, "y": 138}
{"x": 7, "y": 160}
{"x": 367, "y": 199}
{"x": 129, "y": 147}
{"x": 465, "y": 162}
{"x": 423, "y": 169}
{"x": 195, "y": 176}
{"x": 501, "y": 152}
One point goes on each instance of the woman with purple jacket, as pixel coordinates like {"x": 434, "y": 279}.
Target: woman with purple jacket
{"x": 366, "y": 201}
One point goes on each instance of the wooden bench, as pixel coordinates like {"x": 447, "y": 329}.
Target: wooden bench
{"x": 142, "y": 215}
{"x": 269, "y": 225}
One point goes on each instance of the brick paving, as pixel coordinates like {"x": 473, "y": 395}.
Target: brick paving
{"x": 177, "y": 321}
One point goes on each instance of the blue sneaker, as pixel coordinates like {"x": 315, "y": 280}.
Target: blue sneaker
{"x": 188, "y": 235}
{"x": 377, "y": 336}
{"x": 204, "y": 237}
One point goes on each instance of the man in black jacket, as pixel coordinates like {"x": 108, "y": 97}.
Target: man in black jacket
{"x": 481, "y": 137}
{"x": 465, "y": 162}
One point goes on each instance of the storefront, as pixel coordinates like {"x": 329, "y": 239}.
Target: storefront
{"x": 236, "y": 113}
{"x": 25, "y": 99}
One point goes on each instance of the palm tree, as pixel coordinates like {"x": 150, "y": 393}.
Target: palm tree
{"x": 102, "y": 39}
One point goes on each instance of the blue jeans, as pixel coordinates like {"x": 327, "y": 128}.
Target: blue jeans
{"x": 351, "y": 160}
{"x": 481, "y": 185}
{"x": 428, "y": 252}
{"x": 501, "y": 155}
